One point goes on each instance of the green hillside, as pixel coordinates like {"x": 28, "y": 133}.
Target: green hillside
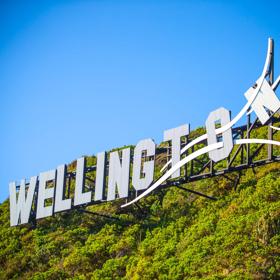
{"x": 175, "y": 235}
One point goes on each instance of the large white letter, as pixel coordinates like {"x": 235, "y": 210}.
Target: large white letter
{"x": 224, "y": 116}
{"x": 119, "y": 174}
{"x": 148, "y": 166}
{"x": 61, "y": 204}
{"x": 80, "y": 196}
{"x": 45, "y": 193}
{"x": 100, "y": 176}
{"x": 174, "y": 135}
{"x": 266, "y": 99}
{"x": 21, "y": 207}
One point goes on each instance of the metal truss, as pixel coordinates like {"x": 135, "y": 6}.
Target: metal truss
{"x": 202, "y": 169}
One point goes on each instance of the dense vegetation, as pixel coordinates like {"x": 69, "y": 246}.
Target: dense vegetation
{"x": 175, "y": 235}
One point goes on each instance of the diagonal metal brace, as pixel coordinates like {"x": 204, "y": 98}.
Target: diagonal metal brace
{"x": 196, "y": 192}
{"x": 100, "y": 215}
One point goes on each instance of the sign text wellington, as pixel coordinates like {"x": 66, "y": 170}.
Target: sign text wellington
{"x": 45, "y": 193}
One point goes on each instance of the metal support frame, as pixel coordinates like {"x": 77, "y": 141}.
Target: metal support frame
{"x": 246, "y": 163}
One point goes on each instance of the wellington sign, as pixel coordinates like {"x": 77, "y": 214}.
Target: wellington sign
{"x": 44, "y": 195}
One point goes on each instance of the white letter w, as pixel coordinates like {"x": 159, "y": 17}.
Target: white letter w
{"x": 21, "y": 207}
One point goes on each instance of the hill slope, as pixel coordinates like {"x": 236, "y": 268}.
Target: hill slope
{"x": 176, "y": 235}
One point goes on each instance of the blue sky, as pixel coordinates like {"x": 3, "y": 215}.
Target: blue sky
{"x": 81, "y": 77}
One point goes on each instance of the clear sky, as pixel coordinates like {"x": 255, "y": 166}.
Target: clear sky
{"x": 81, "y": 77}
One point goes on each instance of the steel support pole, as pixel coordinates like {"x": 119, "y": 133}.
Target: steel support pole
{"x": 271, "y": 80}
{"x": 248, "y": 159}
